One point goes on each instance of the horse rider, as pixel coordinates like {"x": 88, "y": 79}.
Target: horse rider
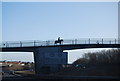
{"x": 58, "y": 38}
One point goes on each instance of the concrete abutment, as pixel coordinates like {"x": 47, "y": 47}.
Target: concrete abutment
{"x": 49, "y": 59}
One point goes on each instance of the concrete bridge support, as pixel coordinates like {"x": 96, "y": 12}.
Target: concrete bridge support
{"x": 49, "y": 59}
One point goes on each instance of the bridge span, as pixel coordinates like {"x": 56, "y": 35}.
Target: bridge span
{"x": 29, "y": 46}
{"x": 49, "y": 55}
{"x": 62, "y": 47}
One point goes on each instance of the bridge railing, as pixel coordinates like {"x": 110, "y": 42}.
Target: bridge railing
{"x": 52, "y": 42}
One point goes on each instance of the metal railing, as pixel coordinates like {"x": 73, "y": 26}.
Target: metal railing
{"x": 52, "y": 42}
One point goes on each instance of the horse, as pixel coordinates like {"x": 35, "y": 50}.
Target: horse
{"x": 58, "y": 41}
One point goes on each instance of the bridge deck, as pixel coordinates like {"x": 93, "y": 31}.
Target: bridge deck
{"x": 52, "y": 42}
{"x": 62, "y": 47}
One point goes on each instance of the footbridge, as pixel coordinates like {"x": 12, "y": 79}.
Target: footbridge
{"x": 48, "y": 55}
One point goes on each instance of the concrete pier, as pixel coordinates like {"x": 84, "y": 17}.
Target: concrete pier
{"x": 49, "y": 60}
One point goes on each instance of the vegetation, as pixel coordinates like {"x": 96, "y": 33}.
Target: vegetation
{"x": 102, "y": 63}
{"x": 100, "y": 58}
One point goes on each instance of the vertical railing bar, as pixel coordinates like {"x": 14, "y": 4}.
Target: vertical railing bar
{"x": 102, "y": 41}
{"x": 34, "y": 43}
{"x": 115, "y": 41}
{"x": 20, "y": 43}
{"x": 89, "y": 41}
{"x": 97, "y": 42}
{"x": 110, "y": 42}
{"x": 6, "y": 44}
{"x": 75, "y": 41}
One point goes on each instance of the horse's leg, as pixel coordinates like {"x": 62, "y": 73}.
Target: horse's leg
{"x": 60, "y": 42}
{"x": 55, "y": 42}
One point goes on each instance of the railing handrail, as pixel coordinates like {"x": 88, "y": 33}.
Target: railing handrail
{"x": 52, "y": 42}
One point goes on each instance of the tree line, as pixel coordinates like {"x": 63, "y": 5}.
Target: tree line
{"x": 111, "y": 56}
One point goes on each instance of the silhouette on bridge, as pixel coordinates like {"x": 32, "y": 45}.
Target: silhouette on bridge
{"x": 58, "y": 41}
